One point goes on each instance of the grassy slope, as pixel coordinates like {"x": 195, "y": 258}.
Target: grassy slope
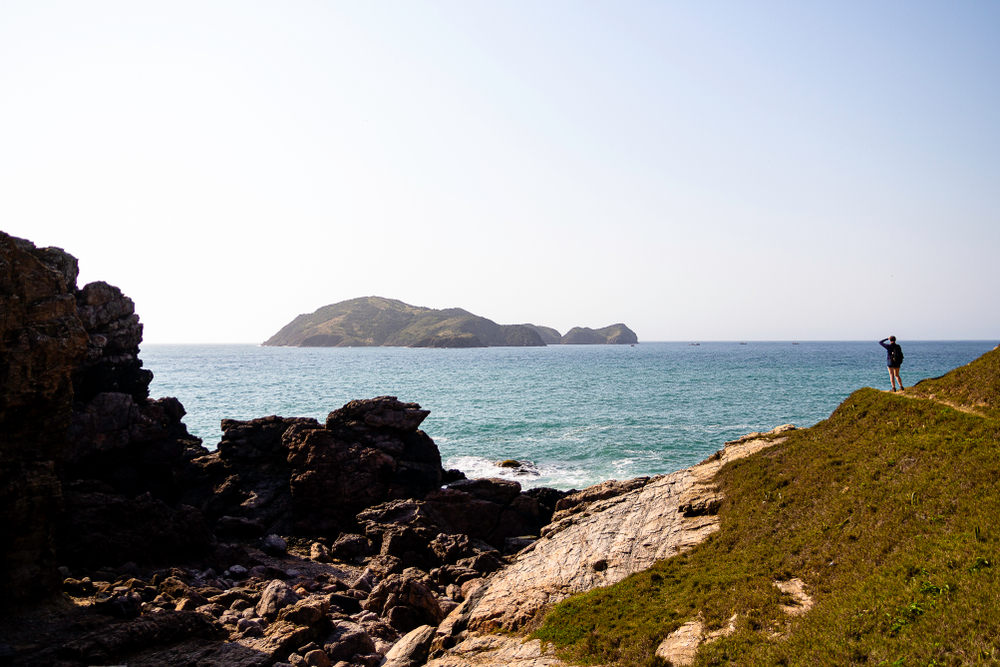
{"x": 888, "y": 510}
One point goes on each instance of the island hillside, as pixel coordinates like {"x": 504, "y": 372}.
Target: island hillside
{"x": 377, "y": 321}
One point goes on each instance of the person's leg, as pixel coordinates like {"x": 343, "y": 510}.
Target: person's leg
{"x": 894, "y": 372}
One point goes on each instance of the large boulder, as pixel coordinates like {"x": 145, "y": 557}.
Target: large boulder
{"x": 296, "y": 476}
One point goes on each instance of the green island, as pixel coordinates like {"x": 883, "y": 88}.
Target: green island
{"x": 887, "y": 511}
{"x": 376, "y": 321}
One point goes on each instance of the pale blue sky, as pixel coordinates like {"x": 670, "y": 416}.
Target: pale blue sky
{"x": 697, "y": 170}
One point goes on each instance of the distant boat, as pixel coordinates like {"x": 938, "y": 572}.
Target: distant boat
{"x": 694, "y": 343}
{"x": 794, "y": 343}
{"x": 742, "y": 343}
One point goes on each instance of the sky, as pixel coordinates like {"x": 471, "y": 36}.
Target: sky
{"x": 696, "y": 170}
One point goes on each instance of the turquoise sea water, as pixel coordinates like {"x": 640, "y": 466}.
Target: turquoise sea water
{"x": 579, "y": 414}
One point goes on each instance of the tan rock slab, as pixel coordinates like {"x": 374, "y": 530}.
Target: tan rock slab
{"x": 681, "y": 646}
{"x": 498, "y": 651}
{"x": 801, "y": 600}
{"x": 610, "y": 540}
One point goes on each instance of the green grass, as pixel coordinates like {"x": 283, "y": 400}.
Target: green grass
{"x": 888, "y": 510}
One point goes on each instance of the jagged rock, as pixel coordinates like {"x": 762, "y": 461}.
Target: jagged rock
{"x": 350, "y": 546}
{"x": 493, "y": 489}
{"x": 412, "y": 649}
{"x": 450, "y": 548}
{"x": 73, "y": 405}
{"x": 451, "y": 512}
{"x": 320, "y": 553}
{"x": 316, "y": 658}
{"x": 175, "y": 587}
{"x": 133, "y": 447}
{"x": 365, "y": 582}
{"x": 383, "y": 566}
{"x": 308, "y": 612}
{"x": 455, "y": 574}
{"x": 294, "y": 475}
{"x": 78, "y": 588}
{"x": 124, "y": 605}
{"x": 483, "y": 563}
{"x": 405, "y": 590}
{"x": 42, "y": 342}
{"x": 546, "y": 499}
{"x": 281, "y": 639}
{"x": 382, "y": 412}
{"x": 112, "y": 363}
{"x": 275, "y": 597}
{"x": 347, "y": 640}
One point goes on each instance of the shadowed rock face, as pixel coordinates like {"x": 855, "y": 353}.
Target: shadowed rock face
{"x": 42, "y": 341}
{"x": 112, "y": 363}
{"x": 73, "y": 407}
{"x": 296, "y": 476}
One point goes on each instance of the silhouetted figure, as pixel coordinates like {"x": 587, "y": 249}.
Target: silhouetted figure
{"x": 893, "y": 359}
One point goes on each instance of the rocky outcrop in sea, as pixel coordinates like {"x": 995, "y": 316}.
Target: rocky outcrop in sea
{"x": 294, "y": 542}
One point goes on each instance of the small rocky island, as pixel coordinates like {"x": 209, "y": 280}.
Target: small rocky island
{"x": 375, "y": 321}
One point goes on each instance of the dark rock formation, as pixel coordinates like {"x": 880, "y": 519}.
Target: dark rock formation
{"x": 74, "y": 410}
{"x": 100, "y": 528}
{"x": 295, "y": 476}
{"x": 42, "y": 342}
{"x": 112, "y": 363}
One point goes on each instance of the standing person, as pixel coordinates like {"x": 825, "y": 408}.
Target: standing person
{"x": 893, "y": 359}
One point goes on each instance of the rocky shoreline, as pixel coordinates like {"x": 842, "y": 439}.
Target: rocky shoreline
{"x": 295, "y": 542}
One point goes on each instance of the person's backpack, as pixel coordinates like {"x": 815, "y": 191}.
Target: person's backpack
{"x": 897, "y": 356}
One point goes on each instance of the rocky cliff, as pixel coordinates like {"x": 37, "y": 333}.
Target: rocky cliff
{"x": 74, "y": 412}
{"x": 42, "y": 343}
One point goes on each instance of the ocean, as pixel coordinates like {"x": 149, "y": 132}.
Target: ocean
{"x": 576, "y": 415}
